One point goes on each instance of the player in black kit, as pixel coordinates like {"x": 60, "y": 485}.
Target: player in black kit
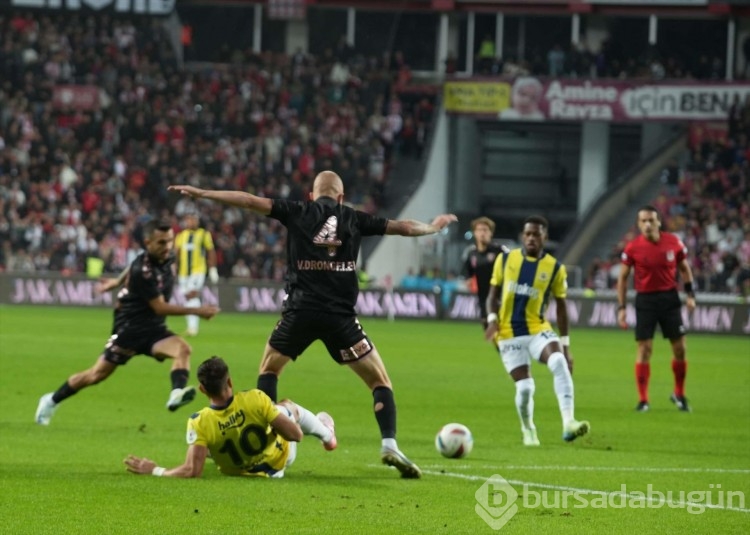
{"x": 479, "y": 260}
{"x": 139, "y": 325}
{"x": 322, "y": 249}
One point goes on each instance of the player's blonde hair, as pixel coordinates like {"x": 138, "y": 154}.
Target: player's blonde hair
{"x": 483, "y": 221}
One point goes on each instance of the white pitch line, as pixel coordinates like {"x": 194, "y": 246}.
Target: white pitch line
{"x": 673, "y": 504}
{"x": 600, "y": 468}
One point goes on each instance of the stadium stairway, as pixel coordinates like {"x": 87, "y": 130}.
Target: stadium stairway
{"x": 404, "y": 179}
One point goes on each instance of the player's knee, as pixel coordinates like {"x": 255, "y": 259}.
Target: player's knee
{"x": 557, "y": 363}
{"x": 526, "y": 387}
{"x": 183, "y": 351}
{"x": 377, "y": 379}
{"x": 382, "y": 383}
{"x": 266, "y": 367}
{"x": 291, "y": 409}
{"x": 520, "y": 373}
{"x": 273, "y": 361}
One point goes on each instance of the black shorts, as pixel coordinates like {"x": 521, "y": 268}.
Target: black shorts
{"x": 663, "y": 308}
{"x": 127, "y": 343}
{"x": 342, "y": 335}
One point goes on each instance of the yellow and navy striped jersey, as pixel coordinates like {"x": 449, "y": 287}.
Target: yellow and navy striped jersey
{"x": 526, "y": 284}
{"x": 192, "y": 247}
{"x": 239, "y": 437}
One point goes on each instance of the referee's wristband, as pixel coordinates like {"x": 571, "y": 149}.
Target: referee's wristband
{"x": 491, "y": 317}
{"x": 565, "y": 341}
{"x": 158, "y": 471}
{"x": 621, "y": 307}
{"x": 689, "y": 290}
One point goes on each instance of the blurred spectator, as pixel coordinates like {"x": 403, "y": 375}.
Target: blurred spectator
{"x": 21, "y": 262}
{"x": 364, "y": 279}
{"x": 186, "y": 40}
{"x": 240, "y": 270}
{"x": 451, "y": 64}
{"x": 485, "y": 55}
{"x": 344, "y": 50}
{"x": 410, "y": 281}
{"x": 556, "y": 61}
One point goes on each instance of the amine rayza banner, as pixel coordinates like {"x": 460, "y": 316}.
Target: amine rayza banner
{"x": 528, "y": 98}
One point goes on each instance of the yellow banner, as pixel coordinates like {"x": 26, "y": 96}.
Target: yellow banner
{"x": 476, "y": 97}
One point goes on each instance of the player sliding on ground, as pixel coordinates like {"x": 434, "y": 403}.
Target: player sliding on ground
{"x": 245, "y": 433}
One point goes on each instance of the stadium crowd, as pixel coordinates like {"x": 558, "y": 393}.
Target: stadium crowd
{"x": 75, "y": 181}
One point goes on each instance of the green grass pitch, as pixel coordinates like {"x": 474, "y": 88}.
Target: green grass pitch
{"x": 69, "y": 477}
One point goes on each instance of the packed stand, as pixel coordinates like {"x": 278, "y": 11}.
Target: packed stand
{"x": 76, "y": 183}
{"x": 705, "y": 202}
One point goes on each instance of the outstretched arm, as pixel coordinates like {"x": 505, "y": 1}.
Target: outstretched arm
{"x": 106, "y": 284}
{"x": 163, "y": 308}
{"x": 410, "y": 227}
{"x": 192, "y": 467}
{"x": 240, "y": 199}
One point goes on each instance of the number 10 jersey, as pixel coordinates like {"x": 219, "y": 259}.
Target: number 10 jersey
{"x": 239, "y": 436}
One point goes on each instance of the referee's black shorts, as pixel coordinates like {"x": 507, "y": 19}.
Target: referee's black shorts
{"x": 341, "y": 333}
{"x": 663, "y": 308}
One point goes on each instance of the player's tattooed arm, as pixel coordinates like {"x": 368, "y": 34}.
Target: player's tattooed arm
{"x": 411, "y": 227}
{"x": 240, "y": 199}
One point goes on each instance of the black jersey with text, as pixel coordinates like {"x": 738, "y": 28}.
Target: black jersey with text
{"x": 146, "y": 280}
{"x": 322, "y": 249}
{"x": 479, "y": 264}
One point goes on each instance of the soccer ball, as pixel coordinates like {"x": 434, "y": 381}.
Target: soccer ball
{"x": 454, "y": 441}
